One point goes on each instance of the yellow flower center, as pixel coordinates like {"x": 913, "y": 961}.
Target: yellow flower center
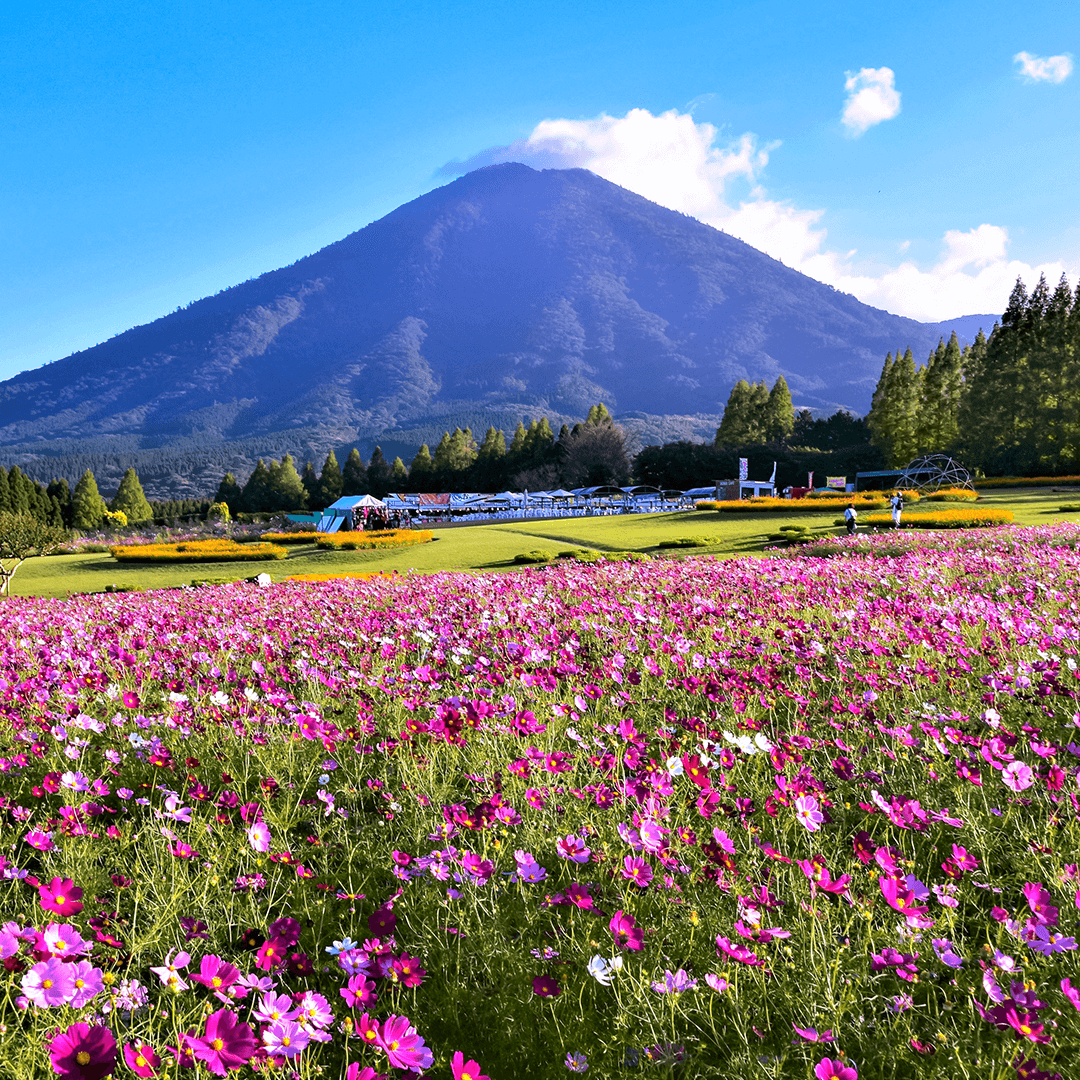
{"x": 218, "y": 1044}
{"x": 79, "y": 984}
{"x": 60, "y": 899}
{"x": 466, "y": 1076}
{"x": 394, "y": 1045}
{"x": 141, "y": 1061}
{"x": 216, "y": 981}
{"x": 46, "y": 984}
{"x": 83, "y": 1057}
{"x": 286, "y": 1041}
{"x": 370, "y": 1034}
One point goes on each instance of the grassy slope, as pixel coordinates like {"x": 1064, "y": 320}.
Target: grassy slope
{"x": 489, "y": 547}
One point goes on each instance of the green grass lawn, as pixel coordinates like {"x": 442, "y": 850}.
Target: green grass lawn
{"x": 493, "y": 547}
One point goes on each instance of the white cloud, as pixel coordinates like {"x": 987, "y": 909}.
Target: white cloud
{"x": 675, "y": 162}
{"x": 1053, "y": 69}
{"x": 872, "y": 98}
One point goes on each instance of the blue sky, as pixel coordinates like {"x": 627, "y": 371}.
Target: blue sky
{"x": 152, "y": 153}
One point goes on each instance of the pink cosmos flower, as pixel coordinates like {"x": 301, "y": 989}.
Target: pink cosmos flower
{"x": 273, "y": 1007}
{"x": 1072, "y": 993}
{"x": 61, "y": 896}
{"x": 807, "y": 812}
{"x": 62, "y": 940}
{"x": 573, "y": 848}
{"x": 627, "y": 933}
{"x": 215, "y": 973}
{"x": 359, "y": 991}
{"x": 285, "y": 1037}
{"x": 466, "y": 1070}
{"x": 403, "y": 1047}
{"x": 83, "y": 1052}
{"x": 259, "y": 836}
{"x": 813, "y": 1035}
{"x": 827, "y": 1069}
{"x": 40, "y": 839}
{"x": 227, "y": 1043}
{"x": 717, "y": 982}
{"x": 169, "y": 972}
{"x": 141, "y": 1060}
{"x": 637, "y": 870}
{"x": 1017, "y": 775}
{"x": 545, "y": 986}
{"x": 49, "y": 983}
{"x": 87, "y": 982}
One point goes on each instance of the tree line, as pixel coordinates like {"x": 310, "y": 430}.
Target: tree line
{"x": 1005, "y": 405}
{"x": 591, "y": 453}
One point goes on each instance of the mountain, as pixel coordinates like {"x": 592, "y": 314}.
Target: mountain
{"x": 510, "y": 292}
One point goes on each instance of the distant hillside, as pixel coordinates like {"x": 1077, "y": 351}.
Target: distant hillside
{"x": 508, "y": 293}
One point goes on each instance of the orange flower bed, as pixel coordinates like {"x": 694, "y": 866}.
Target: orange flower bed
{"x": 218, "y": 550}
{"x": 367, "y": 541}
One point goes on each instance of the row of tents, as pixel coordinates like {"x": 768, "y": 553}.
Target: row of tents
{"x": 352, "y": 510}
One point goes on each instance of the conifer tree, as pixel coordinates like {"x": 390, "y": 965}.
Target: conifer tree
{"x": 59, "y": 491}
{"x": 354, "y": 475}
{"x": 736, "y": 425}
{"x": 230, "y": 493}
{"x": 778, "y": 421}
{"x": 421, "y": 469}
{"x": 310, "y": 479}
{"x": 87, "y": 506}
{"x": 378, "y": 473}
{"x": 286, "y": 488}
{"x": 331, "y": 482}
{"x": 257, "y": 497}
{"x": 130, "y": 499}
{"x": 5, "y": 491}
{"x": 878, "y": 419}
{"x": 399, "y": 475}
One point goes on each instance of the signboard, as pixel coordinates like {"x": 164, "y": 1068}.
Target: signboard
{"x": 838, "y": 482}
{"x": 744, "y": 468}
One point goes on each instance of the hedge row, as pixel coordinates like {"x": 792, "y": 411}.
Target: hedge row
{"x": 943, "y": 519}
{"x": 365, "y": 541}
{"x": 795, "y": 506}
{"x": 1024, "y": 481}
{"x": 196, "y": 551}
{"x": 281, "y": 538}
{"x": 952, "y": 495}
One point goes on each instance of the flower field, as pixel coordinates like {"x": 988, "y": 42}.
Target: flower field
{"x": 801, "y": 817}
{"x": 367, "y": 541}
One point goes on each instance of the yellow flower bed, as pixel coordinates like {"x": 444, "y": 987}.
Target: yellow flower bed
{"x": 218, "y": 550}
{"x": 366, "y": 541}
{"x": 765, "y": 505}
{"x": 289, "y": 537}
{"x": 952, "y": 495}
{"x": 944, "y": 519}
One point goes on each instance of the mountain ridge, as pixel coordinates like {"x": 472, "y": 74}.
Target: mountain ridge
{"x": 507, "y": 291}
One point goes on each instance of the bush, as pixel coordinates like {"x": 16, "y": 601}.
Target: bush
{"x": 689, "y": 542}
{"x": 284, "y": 537}
{"x": 1069, "y": 508}
{"x": 196, "y": 551}
{"x": 529, "y": 558}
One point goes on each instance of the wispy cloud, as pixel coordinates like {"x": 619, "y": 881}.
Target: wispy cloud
{"x": 1052, "y": 69}
{"x": 872, "y": 97}
{"x": 679, "y": 163}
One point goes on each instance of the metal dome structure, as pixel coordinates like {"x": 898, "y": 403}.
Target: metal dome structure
{"x": 934, "y": 471}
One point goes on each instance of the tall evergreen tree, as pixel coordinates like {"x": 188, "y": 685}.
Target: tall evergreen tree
{"x": 87, "y": 506}
{"x": 878, "y": 420}
{"x": 287, "y": 490}
{"x": 310, "y": 479}
{"x": 61, "y": 492}
{"x": 378, "y": 472}
{"x": 130, "y": 499}
{"x": 230, "y": 493}
{"x": 331, "y": 482}
{"x": 421, "y": 470}
{"x": 258, "y": 495}
{"x": 778, "y": 421}
{"x": 738, "y": 425}
{"x": 5, "y": 491}
{"x": 399, "y": 475}
{"x": 354, "y": 475}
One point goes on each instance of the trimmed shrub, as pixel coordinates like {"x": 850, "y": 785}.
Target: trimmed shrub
{"x": 818, "y": 505}
{"x": 689, "y": 542}
{"x": 1070, "y": 508}
{"x": 283, "y": 537}
{"x": 531, "y": 558}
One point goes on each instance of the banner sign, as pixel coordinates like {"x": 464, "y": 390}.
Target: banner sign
{"x": 810, "y": 481}
{"x": 744, "y": 468}
{"x": 839, "y": 482}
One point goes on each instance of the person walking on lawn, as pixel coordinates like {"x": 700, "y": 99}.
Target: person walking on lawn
{"x": 851, "y": 516}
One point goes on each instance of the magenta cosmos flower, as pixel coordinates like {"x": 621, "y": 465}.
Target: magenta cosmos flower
{"x": 61, "y": 896}
{"x": 141, "y": 1060}
{"x": 228, "y": 1043}
{"x": 466, "y": 1070}
{"x": 827, "y": 1069}
{"x": 83, "y": 1052}
{"x": 545, "y": 986}
{"x": 627, "y": 933}
{"x": 404, "y": 1048}
{"x": 49, "y": 983}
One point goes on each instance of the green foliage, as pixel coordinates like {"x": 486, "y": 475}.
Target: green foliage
{"x": 87, "y": 506}
{"x": 354, "y": 479}
{"x": 378, "y": 474}
{"x": 331, "y": 483}
{"x": 23, "y": 536}
{"x": 529, "y": 558}
{"x": 286, "y": 489}
{"x": 130, "y": 499}
{"x": 230, "y": 493}
{"x": 754, "y": 414}
{"x": 219, "y": 512}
